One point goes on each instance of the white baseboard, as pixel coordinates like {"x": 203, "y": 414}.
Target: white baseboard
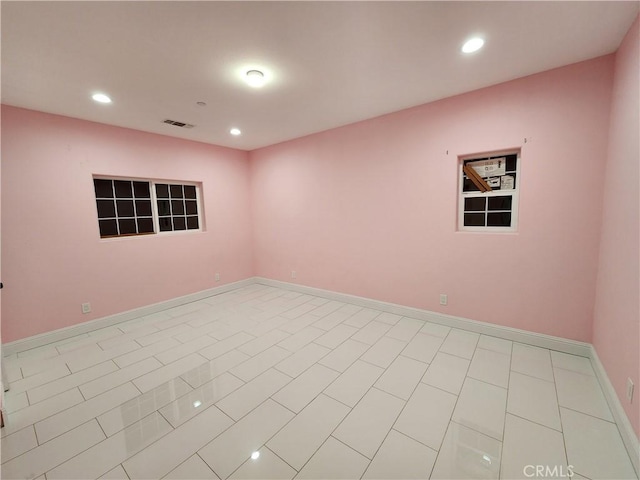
{"x": 624, "y": 425}
{"x": 92, "y": 325}
{"x": 522, "y": 336}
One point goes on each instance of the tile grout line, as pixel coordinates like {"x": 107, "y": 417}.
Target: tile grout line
{"x": 506, "y": 412}
{"x": 557, "y": 397}
{"x": 453, "y": 410}
{"x": 79, "y": 453}
{"x": 406, "y": 402}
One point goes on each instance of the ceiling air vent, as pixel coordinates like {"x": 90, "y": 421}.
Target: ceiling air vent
{"x": 179, "y": 124}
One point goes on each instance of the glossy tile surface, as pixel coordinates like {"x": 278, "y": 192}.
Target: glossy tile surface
{"x": 188, "y": 406}
{"x": 106, "y": 455}
{"x": 402, "y": 376}
{"x": 482, "y": 407}
{"x": 401, "y": 457}
{"x": 532, "y": 361}
{"x": 466, "y": 453}
{"x": 423, "y": 347}
{"x": 310, "y": 387}
{"x": 253, "y": 393}
{"x": 43, "y": 458}
{"x": 177, "y": 446}
{"x": 298, "y": 362}
{"x": 137, "y": 408}
{"x": 426, "y": 415}
{"x": 491, "y": 367}
{"x": 299, "y": 439}
{"x": 18, "y": 443}
{"x": 581, "y": 392}
{"x": 527, "y": 443}
{"x": 447, "y": 372}
{"x": 267, "y": 466}
{"x": 366, "y": 426}
{"x": 533, "y": 399}
{"x": 460, "y": 343}
{"x": 298, "y": 393}
{"x": 334, "y": 460}
{"x": 351, "y": 386}
{"x": 235, "y": 445}
{"x": 594, "y": 447}
{"x": 193, "y": 468}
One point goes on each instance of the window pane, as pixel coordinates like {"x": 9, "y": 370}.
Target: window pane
{"x": 500, "y": 203}
{"x": 141, "y": 189}
{"x": 192, "y": 207}
{"x": 190, "y": 191}
{"x": 474, "y": 220}
{"x": 508, "y": 182}
{"x": 143, "y": 208}
{"x": 165, "y": 224}
{"x": 192, "y": 223}
{"x": 103, "y": 188}
{"x": 145, "y": 225}
{"x": 123, "y": 189}
{"x": 179, "y": 223}
{"x": 176, "y": 191}
{"x": 511, "y": 163}
{"x": 502, "y": 219}
{"x": 127, "y": 226}
{"x": 125, "y": 208}
{"x": 469, "y": 186}
{"x": 106, "y": 209}
{"x": 162, "y": 190}
{"x": 108, "y": 228}
{"x": 177, "y": 207}
{"x": 474, "y": 204}
{"x": 163, "y": 207}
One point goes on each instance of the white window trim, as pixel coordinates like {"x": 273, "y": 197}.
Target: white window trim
{"x": 156, "y": 216}
{"x": 515, "y": 193}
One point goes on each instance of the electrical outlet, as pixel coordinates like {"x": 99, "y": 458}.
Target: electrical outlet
{"x": 443, "y": 299}
{"x": 294, "y": 274}
{"x": 217, "y": 277}
{"x": 630, "y": 390}
{"x": 86, "y": 307}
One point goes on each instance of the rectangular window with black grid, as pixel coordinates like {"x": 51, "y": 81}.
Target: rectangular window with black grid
{"x": 128, "y": 207}
{"x": 489, "y": 188}
{"x": 177, "y": 207}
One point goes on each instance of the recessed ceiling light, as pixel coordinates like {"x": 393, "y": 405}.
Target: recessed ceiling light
{"x": 255, "y": 455}
{"x": 472, "y": 45}
{"x": 255, "y": 78}
{"x": 101, "y": 98}
{"x": 235, "y": 131}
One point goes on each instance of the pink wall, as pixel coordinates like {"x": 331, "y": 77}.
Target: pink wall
{"x": 52, "y": 256}
{"x": 370, "y": 209}
{"x": 616, "y": 326}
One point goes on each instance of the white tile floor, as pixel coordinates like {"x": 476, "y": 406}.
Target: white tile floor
{"x": 319, "y": 389}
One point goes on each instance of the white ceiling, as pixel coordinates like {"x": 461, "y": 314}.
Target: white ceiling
{"x": 329, "y": 63}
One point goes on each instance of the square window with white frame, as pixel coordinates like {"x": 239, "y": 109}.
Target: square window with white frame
{"x": 129, "y": 207}
{"x": 488, "y": 192}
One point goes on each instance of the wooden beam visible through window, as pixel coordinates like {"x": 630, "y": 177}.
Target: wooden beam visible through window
{"x": 476, "y": 179}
